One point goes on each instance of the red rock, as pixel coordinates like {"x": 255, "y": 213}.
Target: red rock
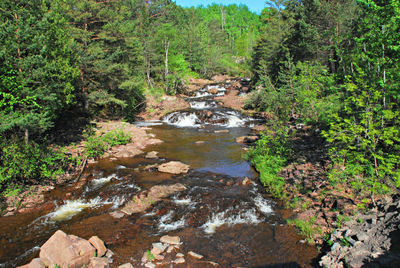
{"x": 174, "y": 167}
{"x": 66, "y": 251}
{"x": 35, "y": 263}
{"x": 99, "y": 245}
{"x": 96, "y": 262}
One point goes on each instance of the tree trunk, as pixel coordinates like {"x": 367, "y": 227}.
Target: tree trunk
{"x": 166, "y": 58}
{"x": 26, "y": 137}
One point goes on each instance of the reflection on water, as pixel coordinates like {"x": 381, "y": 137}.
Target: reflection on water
{"x": 219, "y": 153}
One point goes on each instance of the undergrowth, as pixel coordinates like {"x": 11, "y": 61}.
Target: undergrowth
{"x": 96, "y": 146}
{"x": 269, "y": 156}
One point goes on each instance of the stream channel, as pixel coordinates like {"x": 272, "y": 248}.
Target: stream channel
{"x": 217, "y": 216}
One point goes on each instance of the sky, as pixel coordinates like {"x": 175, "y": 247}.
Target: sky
{"x": 254, "y": 5}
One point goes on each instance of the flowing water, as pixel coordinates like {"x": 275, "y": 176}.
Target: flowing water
{"x": 218, "y": 217}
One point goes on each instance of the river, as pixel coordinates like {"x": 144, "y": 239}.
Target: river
{"x": 217, "y": 216}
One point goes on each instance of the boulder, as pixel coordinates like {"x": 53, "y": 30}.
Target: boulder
{"x": 172, "y": 240}
{"x": 174, "y": 167}
{"x": 35, "y": 263}
{"x": 97, "y": 262}
{"x": 152, "y": 155}
{"x": 99, "y": 245}
{"x": 66, "y": 251}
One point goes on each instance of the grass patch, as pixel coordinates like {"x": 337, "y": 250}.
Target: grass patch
{"x": 305, "y": 228}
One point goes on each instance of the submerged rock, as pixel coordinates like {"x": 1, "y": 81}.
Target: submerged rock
{"x": 152, "y": 155}
{"x": 144, "y": 200}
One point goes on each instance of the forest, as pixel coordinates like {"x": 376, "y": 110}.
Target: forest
{"x": 333, "y": 65}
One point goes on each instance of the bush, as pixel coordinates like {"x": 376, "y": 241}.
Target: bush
{"x": 269, "y": 156}
{"x": 20, "y": 162}
{"x": 96, "y": 146}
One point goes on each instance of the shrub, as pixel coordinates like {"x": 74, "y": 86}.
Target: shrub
{"x": 20, "y": 162}
{"x": 269, "y": 156}
{"x": 96, "y": 146}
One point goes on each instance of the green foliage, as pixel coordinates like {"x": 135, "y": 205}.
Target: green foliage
{"x": 150, "y": 256}
{"x": 306, "y": 228}
{"x": 96, "y": 146}
{"x": 306, "y": 92}
{"x": 269, "y": 156}
{"x": 22, "y": 163}
{"x": 38, "y": 66}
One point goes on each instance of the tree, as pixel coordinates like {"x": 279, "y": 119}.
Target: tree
{"x": 365, "y": 131}
{"x": 39, "y": 66}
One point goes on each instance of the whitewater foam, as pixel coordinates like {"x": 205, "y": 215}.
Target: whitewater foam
{"x": 263, "y": 204}
{"x": 166, "y": 224}
{"x": 222, "y": 218}
{"x": 74, "y": 207}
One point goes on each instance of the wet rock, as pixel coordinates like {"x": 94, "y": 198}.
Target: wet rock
{"x": 146, "y": 199}
{"x": 126, "y": 265}
{"x": 179, "y": 261}
{"x": 246, "y": 181}
{"x": 144, "y": 258}
{"x": 99, "y": 245}
{"x": 247, "y": 139}
{"x": 200, "y": 142}
{"x": 179, "y": 255}
{"x": 172, "y": 240}
{"x": 66, "y": 251}
{"x": 117, "y": 214}
{"x": 156, "y": 253}
{"x": 152, "y": 155}
{"x": 195, "y": 255}
{"x": 162, "y": 247}
{"x": 222, "y": 131}
{"x": 258, "y": 129}
{"x": 174, "y": 167}
{"x": 35, "y": 263}
{"x": 150, "y": 265}
{"x": 109, "y": 254}
{"x": 213, "y": 91}
{"x": 170, "y": 249}
{"x": 97, "y": 262}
